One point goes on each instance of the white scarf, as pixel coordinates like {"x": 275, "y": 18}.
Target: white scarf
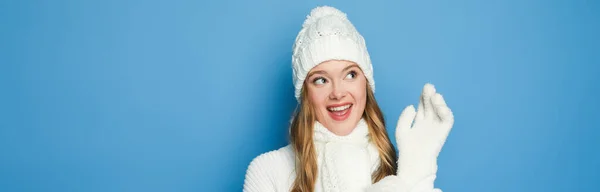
{"x": 345, "y": 163}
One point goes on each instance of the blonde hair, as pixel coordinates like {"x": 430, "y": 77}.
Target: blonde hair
{"x": 301, "y": 133}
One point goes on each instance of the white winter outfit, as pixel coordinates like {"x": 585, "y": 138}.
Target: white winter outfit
{"x": 346, "y": 163}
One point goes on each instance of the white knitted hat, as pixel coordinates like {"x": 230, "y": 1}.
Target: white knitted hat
{"x": 327, "y": 34}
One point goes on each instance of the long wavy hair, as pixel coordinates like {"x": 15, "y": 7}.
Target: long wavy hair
{"x": 301, "y": 133}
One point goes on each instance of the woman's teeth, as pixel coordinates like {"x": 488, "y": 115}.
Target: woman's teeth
{"x": 340, "y": 108}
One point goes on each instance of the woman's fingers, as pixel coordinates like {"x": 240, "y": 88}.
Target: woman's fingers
{"x": 441, "y": 109}
{"x": 405, "y": 120}
{"x": 428, "y": 93}
{"x": 420, "y": 109}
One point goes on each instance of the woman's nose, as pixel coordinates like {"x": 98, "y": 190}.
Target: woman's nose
{"x": 338, "y": 92}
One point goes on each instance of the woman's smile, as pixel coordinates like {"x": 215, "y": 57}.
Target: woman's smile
{"x": 340, "y": 112}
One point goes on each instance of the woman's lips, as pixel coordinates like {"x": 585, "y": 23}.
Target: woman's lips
{"x": 340, "y": 113}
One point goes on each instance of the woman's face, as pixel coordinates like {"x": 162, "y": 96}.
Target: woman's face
{"x": 337, "y": 91}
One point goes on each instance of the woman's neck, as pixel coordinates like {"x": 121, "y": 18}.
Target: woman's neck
{"x": 359, "y": 134}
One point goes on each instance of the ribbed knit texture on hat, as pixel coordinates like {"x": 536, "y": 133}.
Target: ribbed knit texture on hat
{"x": 327, "y": 34}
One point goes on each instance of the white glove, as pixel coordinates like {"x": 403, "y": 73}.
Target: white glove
{"x": 420, "y": 144}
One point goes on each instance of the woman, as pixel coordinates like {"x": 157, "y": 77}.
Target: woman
{"x": 338, "y": 140}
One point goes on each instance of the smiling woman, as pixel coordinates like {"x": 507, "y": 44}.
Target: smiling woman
{"x": 338, "y": 139}
{"x": 336, "y": 88}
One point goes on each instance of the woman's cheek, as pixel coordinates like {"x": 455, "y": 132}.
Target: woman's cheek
{"x": 318, "y": 96}
{"x": 359, "y": 91}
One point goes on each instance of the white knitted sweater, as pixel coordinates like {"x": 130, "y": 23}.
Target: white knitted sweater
{"x": 345, "y": 163}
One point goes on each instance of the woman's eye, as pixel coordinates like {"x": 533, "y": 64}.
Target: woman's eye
{"x": 319, "y": 81}
{"x": 351, "y": 75}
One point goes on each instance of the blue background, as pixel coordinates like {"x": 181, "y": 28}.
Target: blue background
{"x": 182, "y": 95}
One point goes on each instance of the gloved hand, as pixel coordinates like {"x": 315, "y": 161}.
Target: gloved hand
{"x": 420, "y": 143}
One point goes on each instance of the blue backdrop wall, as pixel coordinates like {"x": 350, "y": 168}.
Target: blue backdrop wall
{"x": 182, "y": 95}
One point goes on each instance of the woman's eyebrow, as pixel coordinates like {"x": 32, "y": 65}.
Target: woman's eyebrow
{"x": 350, "y": 66}
{"x": 316, "y": 72}
{"x": 324, "y": 73}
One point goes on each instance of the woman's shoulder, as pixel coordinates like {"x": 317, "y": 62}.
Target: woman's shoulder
{"x": 274, "y": 168}
{"x": 281, "y": 158}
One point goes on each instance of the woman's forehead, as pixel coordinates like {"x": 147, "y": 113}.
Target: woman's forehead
{"x": 334, "y": 66}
